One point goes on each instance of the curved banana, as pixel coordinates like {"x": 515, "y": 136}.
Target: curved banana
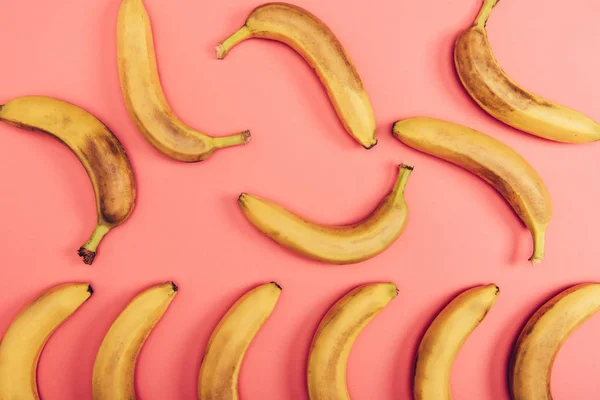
{"x": 445, "y": 337}
{"x": 505, "y": 100}
{"x": 315, "y": 42}
{"x": 114, "y": 369}
{"x": 229, "y": 341}
{"x": 491, "y": 160}
{"x": 99, "y": 151}
{"x": 336, "y": 334}
{"x": 344, "y": 244}
{"x": 145, "y": 98}
{"x": 540, "y": 340}
{"x": 27, "y": 335}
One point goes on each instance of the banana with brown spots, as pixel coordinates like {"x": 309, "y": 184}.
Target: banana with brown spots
{"x": 95, "y": 146}
{"x": 505, "y": 100}
{"x": 530, "y": 367}
{"x": 144, "y": 96}
{"x": 491, "y": 160}
{"x": 316, "y": 43}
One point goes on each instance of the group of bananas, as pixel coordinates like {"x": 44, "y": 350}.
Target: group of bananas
{"x": 114, "y": 369}
{"x": 510, "y": 174}
{"x": 113, "y": 181}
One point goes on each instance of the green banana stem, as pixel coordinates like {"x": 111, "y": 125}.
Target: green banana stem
{"x": 87, "y": 252}
{"x": 238, "y": 36}
{"x": 485, "y": 11}
{"x": 403, "y": 174}
{"x": 232, "y": 140}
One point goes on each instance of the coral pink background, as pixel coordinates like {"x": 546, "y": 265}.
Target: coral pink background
{"x": 187, "y": 226}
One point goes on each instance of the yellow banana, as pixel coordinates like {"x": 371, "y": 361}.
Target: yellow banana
{"x": 339, "y": 328}
{"x": 317, "y": 44}
{"x": 114, "y": 369}
{"x": 27, "y": 335}
{"x": 491, "y": 160}
{"x": 444, "y": 339}
{"x": 343, "y": 244}
{"x": 540, "y": 340}
{"x": 95, "y": 146}
{"x": 145, "y": 98}
{"x": 229, "y": 341}
{"x": 505, "y": 100}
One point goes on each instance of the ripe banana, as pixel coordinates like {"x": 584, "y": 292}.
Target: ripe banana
{"x": 540, "y": 340}
{"x": 343, "y": 244}
{"x": 145, "y": 98}
{"x": 444, "y": 339}
{"x": 336, "y": 334}
{"x": 317, "y": 44}
{"x": 97, "y": 148}
{"x": 492, "y": 161}
{"x": 114, "y": 369}
{"x": 27, "y": 335}
{"x": 505, "y": 100}
{"x": 229, "y": 341}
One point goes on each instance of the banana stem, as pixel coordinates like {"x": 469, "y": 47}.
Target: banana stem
{"x": 238, "y": 36}
{"x": 404, "y": 172}
{"x": 485, "y": 11}
{"x": 88, "y": 251}
{"x": 538, "y": 247}
{"x": 232, "y": 140}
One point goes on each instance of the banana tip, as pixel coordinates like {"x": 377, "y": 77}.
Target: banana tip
{"x": 277, "y": 284}
{"x": 90, "y": 290}
{"x": 370, "y": 146}
{"x": 535, "y": 260}
{"x": 86, "y": 255}
{"x": 175, "y": 287}
{"x": 241, "y": 198}
{"x": 406, "y": 166}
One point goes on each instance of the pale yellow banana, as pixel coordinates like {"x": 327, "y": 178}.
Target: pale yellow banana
{"x": 229, "y": 341}
{"x": 145, "y": 98}
{"x": 505, "y": 100}
{"x": 27, "y": 335}
{"x": 444, "y": 339}
{"x": 321, "y": 49}
{"x": 114, "y": 369}
{"x": 344, "y": 244}
{"x": 491, "y": 160}
{"x": 540, "y": 340}
{"x": 95, "y": 146}
{"x": 339, "y": 328}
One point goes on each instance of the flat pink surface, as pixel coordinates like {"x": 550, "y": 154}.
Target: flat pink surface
{"x": 187, "y": 226}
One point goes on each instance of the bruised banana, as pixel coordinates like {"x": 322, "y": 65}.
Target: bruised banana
{"x": 145, "y": 98}
{"x": 27, "y": 335}
{"x": 95, "y": 146}
{"x": 339, "y": 328}
{"x": 343, "y": 244}
{"x": 444, "y": 339}
{"x": 505, "y": 100}
{"x": 114, "y": 368}
{"x": 491, "y": 160}
{"x": 229, "y": 341}
{"x": 321, "y": 49}
{"x": 540, "y": 340}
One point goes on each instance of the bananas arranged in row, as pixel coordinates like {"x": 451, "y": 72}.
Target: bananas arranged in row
{"x": 114, "y": 370}
{"x": 96, "y": 147}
